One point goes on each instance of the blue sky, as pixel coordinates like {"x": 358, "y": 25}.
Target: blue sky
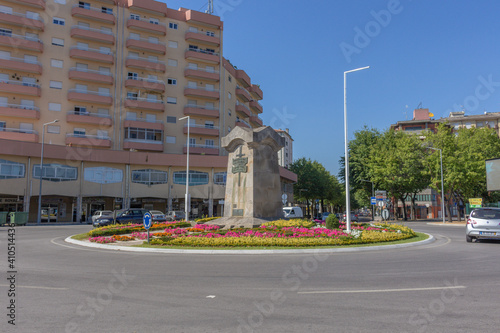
{"x": 444, "y": 54}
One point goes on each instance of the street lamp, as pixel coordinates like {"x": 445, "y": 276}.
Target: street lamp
{"x": 186, "y": 197}
{"x": 347, "y": 196}
{"x": 373, "y": 194}
{"x": 442, "y": 183}
{"x": 41, "y": 175}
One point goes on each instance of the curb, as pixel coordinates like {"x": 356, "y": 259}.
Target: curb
{"x": 294, "y": 251}
{"x": 447, "y": 224}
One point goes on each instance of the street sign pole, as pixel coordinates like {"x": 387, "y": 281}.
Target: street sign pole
{"x": 146, "y": 219}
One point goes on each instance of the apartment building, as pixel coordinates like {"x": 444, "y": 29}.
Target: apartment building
{"x": 117, "y": 75}
{"x": 285, "y": 155}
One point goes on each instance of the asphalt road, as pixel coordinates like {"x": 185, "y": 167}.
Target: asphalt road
{"x": 445, "y": 286}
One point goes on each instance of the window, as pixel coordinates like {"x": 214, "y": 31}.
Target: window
{"x": 105, "y": 50}
{"x": 10, "y": 169}
{"x": 53, "y": 129}
{"x": 101, "y": 134}
{"x": 229, "y": 112}
{"x": 81, "y": 110}
{"x": 82, "y": 88}
{"x": 5, "y": 32}
{"x": 193, "y": 29}
{"x": 132, "y": 76}
{"x": 80, "y": 132}
{"x": 135, "y": 17}
{"x": 5, "y": 9}
{"x": 192, "y": 142}
{"x": 107, "y": 30}
{"x": 220, "y": 178}
{"x": 56, "y": 63}
{"x": 132, "y": 96}
{"x": 135, "y": 36}
{"x": 55, "y": 172}
{"x": 84, "y": 5}
{"x": 62, "y": 2}
{"x": 172, "y": 62}
{"x": 209, "y": 143}
{"x": 103, "y": 175}
{"x": 154, "y": 20}
{"x": 153, "y": 40}
{"x": 133, "y": 55}
{"x": 172, "y": 25}
{"x": 193, "y": 47}
{"x": 210, "y": 69}
{"x": 82, "y": 46}
{"x": 4, "y": 55}
{"x": 107, "y": 10}
{"x": 209, "y": 87}
{"x": 30, "y": 59}
{"x": 4, "y": 77}
{"x": 210, "y": 33}
{"x": 170, "y": 139}
{"x": 56, "y": 84}
{"x": 229, "y": 95}
{"x": 228, "y": 129}
{"x": 58, "y": 21}
{"x": 143, "y": 134}
{"x": 54, "y": 107}
{"x": 3, "y": 125}
{"x": 4, "y": 101}
{"x": 104, "y": 70}
{"x": 153, "y": 58}
{"x": 172, "y": 100}
{"x": 229, "y": 78}
{"x": 131, "y": 116}
{"x": 149, "y": 177}
{"x": 192, "y": 84}
{"x": 195, "y": 178}
{"x": 83, "y": 24}
{"x": 172, "y": 81}
{"x": 82, "y": 67}
{"x": 171, "y": 119}
{"x": 151, "y": 118}
{"x": 209, "y": 124}
{"x": 172, "y": 44}
{"x": 31, "y": 36}
{"x": 104, "y": 92}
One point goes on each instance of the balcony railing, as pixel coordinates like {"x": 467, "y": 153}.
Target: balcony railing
{"x": 18, "y": 130}
{"x": 155, "y": 61}
{"x": 203, "y": 70}
{"x": 17, "y": 83}
{"x": 147, "y": 41}
{"x": 145, "y": 120}
{"x": 91, "y": 50}
{"x": 243, "y": 122}
{"x": 99, "y": 10}
{"x": 142, "y": 99}
{"x": 28, "y": 38}
{"x": 147, "y": 21}
{"x": 202, "y": 126}
{"x": 24, "y": 16}
{"x": 90, "y": 114}
{"x": 96, "y": 93}
{"x": 159, "y": 142}
{"x": 204, "y": 107}
{"x": 19, "y": 106}
{"x": 203, "y": 51}
{"x": 87, "y": 136}
{"x": 91, "y": 71}
{"x": 145, "y": 79}
{"x": 192, "y": 145}
{"x": 203, "y": 88}
{"x": 93, "y": 30}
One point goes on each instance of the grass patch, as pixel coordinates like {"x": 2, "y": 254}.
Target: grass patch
{"x": 80, "y": 237}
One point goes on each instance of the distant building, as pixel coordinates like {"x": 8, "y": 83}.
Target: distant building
{"x": 285, "y": 155}
{"x": 421, "y": 121}
{"x": 459, "y": 120}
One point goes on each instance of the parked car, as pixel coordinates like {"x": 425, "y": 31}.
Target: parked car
{"x": 354, "y": 217}
{"x": 157, "y": 216}
{"x": 133, "y": 215}
{"x": 175, "y": 215}
{"x": 325, "y": 215}
{"x": 101, "y": 213}
{"x": 483, "y": 223}
{"x": 292, "y": 212}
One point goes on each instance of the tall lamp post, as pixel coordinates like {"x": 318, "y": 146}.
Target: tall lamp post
{"x": 347, "y": 195}
{"x": 186, "y": 197}
{"x": 442, "y": 182}
{"x": 373, "y": 194}
{"x": 41, "y": 175}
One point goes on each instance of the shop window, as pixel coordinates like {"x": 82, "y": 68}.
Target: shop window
{"x": 220, "y": 178}
{"x": 195, "y": 178}
{"x": 149, "y": 177}
{"x": 103, "y": 175}
{"x": 9, "y": 169}
{"x": 56, "y": 172}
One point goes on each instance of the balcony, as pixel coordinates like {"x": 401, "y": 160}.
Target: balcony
{"x": 89, "y": 97}
{"x": 21, "y": 42}
{"x": 92, "y": 13}
{"x": 243, "y": 78}
{"x": 242, "y": 123}
{"x": 147, "y": 26}
{"x": 144, "y": 123}
{"x": 255, "y": 106}
{"x": 203, "y": 38}
{"x": 201, "y": 92}
{"x": 89, "y": 75}
{"x": 244, "y": 110}
{"x": 202, "y": 130}
{"x": 144, "y": 103}
{"x": 149, "y": 6}
{"x": 243, "y": 94}
{"x": 139, "y": 144}
{"x": 22, "y": 20}
{"x": 145, "y": 63}
{"x": 18, "y": 134}
{"x": 256, "y": 92}
{"x": 21, "y": 65}
{"x": 143, "y": 44}
{"x": 145, "y": 83}
{"x": 77, "y": 52}
{"x": 16, "y": 87}
{"x": 256, "y": 121}
{"x": 102, "y": 36}
{"x": 39, "y": 4}
{"x": 198, "y": 110}
{"x": 204, "y": 19}
{"x": 20, "y": 111}
{"x": 89, "y": 118}
{"x": 88, "y": 140}
{"x": 202, "y": 149}
{"x": 201, "y": 73}
{"x": 202, "y": 55}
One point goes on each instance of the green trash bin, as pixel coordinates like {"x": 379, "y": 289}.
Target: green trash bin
{"x": 19, "y": 218}
{"x": 3, "y": 218}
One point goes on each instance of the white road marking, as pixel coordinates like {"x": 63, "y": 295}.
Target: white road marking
{"x": 35, "y": 287}
{"x": 378, "y": 290}
{"x": 211, "y": 296}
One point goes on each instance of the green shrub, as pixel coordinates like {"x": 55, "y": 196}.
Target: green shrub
{"x": 332, "y": 222}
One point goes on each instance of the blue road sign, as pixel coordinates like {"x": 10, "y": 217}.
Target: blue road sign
{"x": 146, "y": 219}
{"x": 373, "y": 200}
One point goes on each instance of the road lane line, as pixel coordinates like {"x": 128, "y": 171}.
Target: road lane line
{"x": 378, "y": 290}
{"x": 35, "y": 287}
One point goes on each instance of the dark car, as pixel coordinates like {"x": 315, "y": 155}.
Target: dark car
{"x": 133, "y": 215}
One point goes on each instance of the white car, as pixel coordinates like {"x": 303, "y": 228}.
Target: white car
{"x": 157, "y": 216}
{"x": 101, "y": 213}
{"x": 292, "y": 212}
{"x": 483, "y": 223}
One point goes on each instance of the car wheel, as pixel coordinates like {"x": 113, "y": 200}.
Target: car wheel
{"x": 468, "y": 238}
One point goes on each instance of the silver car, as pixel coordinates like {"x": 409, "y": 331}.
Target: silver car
{"x": 483, "y": 223}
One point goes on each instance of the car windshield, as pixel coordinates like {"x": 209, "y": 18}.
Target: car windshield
{"x": 486, "y": 214}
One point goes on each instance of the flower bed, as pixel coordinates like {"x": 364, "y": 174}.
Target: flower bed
{"x": 121, "y": 229}
{"x": 281, "y": 233}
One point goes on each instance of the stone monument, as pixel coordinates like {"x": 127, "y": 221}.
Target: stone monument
{"x": 253, "y": 187}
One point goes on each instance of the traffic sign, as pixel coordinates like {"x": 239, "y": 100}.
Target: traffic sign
{"x": 146, "y": 219}
{"x": 385, "y": 214}
{"x": 373, "y": 200}
{"x": 475, "y": 202}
